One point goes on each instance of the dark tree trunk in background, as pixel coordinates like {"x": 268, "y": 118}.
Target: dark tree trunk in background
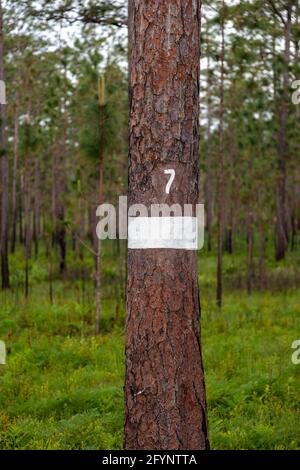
{"x": 27, "y": 201}
{"x": 208, "y": 183}
{"x": 220, "y": 184}
{"x": 262, "y": 255}
{"x": 250, "y": 247}
{"x": 36, "y": 206}
{"x": 233, "y": 186}
{"x": 59, "y": 207}
{"x": 20, "y": 213}
{"x": 282, "y": 231}
{"x": 14, "y": 181}
{"x": 101, "y": 100}
{"x": 4, "y": 175}
{"x": 98, "y": 253}
{"x": 92, "y": 222}
{"x": 61, "y": 236}
{"x": 164, "y": 386}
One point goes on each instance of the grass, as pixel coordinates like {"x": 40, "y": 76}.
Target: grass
{"x": 62, "y": 387}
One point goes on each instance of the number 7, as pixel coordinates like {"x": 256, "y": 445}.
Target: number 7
{"x": 170, "y": 172}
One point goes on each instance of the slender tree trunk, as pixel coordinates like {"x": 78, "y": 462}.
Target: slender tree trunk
{"x": 165, "y": 406}
{"x": 80, "y": 247}
{"x": 220, "y": 185}
{"x": 4, "y": 174}
{"x": 92, "y": 222}
{"x": 61, "y": 234}
{"x": 208, "y": 186}
{"x": 53, "y": 196}
{"x": 58, "y": 207}
{"x": 36, "y": 207}
{"x": 233, "y": 186}
{"x": 262, "y": 255}
{"x": 20, "y": 212}
{"x": 282, "y": 232}
{"x": 101, "y": 97}
{"x": 50, "y": 275}
{"x": 98, "y": 288}
{"x": 14, "y": 181}
{"x": 27, "y": 200}
{"x": 250, "y": 267}
{"x": 98, "y": 261}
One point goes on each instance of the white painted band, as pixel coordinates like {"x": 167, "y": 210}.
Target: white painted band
{"x": 163, "y": 232}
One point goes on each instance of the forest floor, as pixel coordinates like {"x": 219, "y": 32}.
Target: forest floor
{"x": 62, "y": 387}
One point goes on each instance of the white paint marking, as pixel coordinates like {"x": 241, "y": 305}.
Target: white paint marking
{"x": 163, "y": 232}
{"x": 172, "y": 177}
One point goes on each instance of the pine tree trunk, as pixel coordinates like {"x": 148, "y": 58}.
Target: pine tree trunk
{"x": 27, "y": 204}
{"x": 164, "y": 385}
{"x": 208, "y": 185}
{"x": 20, "y": 213}
{"x": 220, "y": 185}
{"x": 101, "y": 99}
{"x": 262, "y": 255}
{"x": 250, "y": 266}
{"x": 282, "y": 231}
{"x": 98, "y": 256}
{"x": 4, "y": 175}
{"x": 36, "y": 207}
{"x": 61, "y": 234}
{"x": 14, "y": 181}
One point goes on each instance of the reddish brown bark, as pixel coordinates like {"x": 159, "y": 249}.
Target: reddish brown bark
{"x": 164, "y": 387}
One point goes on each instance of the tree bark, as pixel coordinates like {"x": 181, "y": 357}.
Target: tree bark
{"x": 165, "y": 405}
{"x": 220, "y": 185}
{"x": 282, "y": 232}
{"x": 58, "y": 206}
{"x": 250, "y": 241}
{"x": 14, "y": 180}
{"x": 20, "y": 211}
{"x": 27, "y": 201}
{"x": 208, "y": 185}
{"x": 101, "y": 100}
{"x": 36, "y": 206}
{"x": 4, "y": 175}
{"x": 98, "y": 256}
{"x": 262, "y": 255}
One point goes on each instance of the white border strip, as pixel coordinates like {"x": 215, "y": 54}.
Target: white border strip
{"x": 179, "y": 233}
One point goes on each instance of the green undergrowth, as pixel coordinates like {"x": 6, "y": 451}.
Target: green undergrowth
{"x": 62, "y": 387}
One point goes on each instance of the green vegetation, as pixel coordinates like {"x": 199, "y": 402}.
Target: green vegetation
{"x": 62, "y": 387}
